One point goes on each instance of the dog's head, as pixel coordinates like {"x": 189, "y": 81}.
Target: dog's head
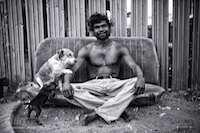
{"x": 66, "y": 56}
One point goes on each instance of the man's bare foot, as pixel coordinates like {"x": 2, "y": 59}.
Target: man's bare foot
{"x": 126, "y": 116}
{"x": 89, "y": 118}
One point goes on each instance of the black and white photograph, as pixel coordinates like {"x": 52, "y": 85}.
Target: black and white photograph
{"x": 99, "y": 66}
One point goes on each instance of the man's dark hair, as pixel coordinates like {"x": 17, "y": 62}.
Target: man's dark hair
{"x": 97, "y": 18}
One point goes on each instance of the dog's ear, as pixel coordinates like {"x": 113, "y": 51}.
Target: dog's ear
{"x": 60, "y": 53}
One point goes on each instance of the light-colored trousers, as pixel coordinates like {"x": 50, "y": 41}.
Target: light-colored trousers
{"x": 109, "y": 97}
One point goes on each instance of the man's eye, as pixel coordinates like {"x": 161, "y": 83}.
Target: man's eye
{"x": 104, "y": 26}
{"x": 97, "y": 27}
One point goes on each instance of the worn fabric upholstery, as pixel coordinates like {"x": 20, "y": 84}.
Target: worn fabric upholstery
{"x": 142, "y": 50}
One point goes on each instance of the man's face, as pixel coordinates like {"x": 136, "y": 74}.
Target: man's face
{"x": 101, "y": 30}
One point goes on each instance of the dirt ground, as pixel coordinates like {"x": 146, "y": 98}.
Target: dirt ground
{"x": 175, "y": 112}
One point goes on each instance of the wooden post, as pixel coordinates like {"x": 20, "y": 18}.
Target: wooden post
{"x": 2, "y": 58}
{"x": 6, "y": 42}
{"x": 195, "y": 76}
{"x": 119, "y": 17}
{"x": 76, "y": 18}
{"x": 11, "y": 36}
{"x": 20, "y": 29}
{"x": 181, "y": 12}
{"x": 139, "y": 18}
{"x": 160, "y": 35}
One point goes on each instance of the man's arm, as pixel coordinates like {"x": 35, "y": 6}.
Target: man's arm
{"x": 67, "y": 88}
{"x": 140, "y": 83}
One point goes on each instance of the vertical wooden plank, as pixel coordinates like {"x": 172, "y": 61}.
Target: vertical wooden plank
{"x": 97, "y": 6}
{"x": 195, "y": 77}
{"x": 27, "y": 9}
{"x": 89, "y": 6}
{"x": 73, "y": 18}
{"x": 160, "y": 37}
{"x": 160, "y": 43}
{"x": 198, "y": 43}
{"x": 52, "y": 20}
{"x": 175, "y": 42}
{"x": 21, "y": 41}
{"x": 36, "y": 22}
{"x": 93, "y": 5}
{"x": 56, "y": 17}
{"x": 69, "y": 18}
{"x": 7, "y": 47}
{"x": 144, "y": 18}
{"x": 139, "y": 18}
{"x": 154, "y": 21}
{"x": 123, "y": 18}
{"x": 41, "y": 20}
{"x": 103, "y": 6}
{"x": 16, "y": 38}
{"x": 179, "y": 50}
{"x": 165, "y": 53}
{"x": 186, "y": 43}
{"x": 2, "y": 65}
{"x": 113, "y": 17}
{"x": 61, "y": 18}
{"x": 133, "y": 18}
{"x": 31, "y": 35}
{"x": 118, "y": 16}
{"x": 48, "y": 17}
{"x": 180, "y": 44}
{"x": 1, "y": 41}
{"x": 82, "y": 18}
{"x": 77, "y": 18}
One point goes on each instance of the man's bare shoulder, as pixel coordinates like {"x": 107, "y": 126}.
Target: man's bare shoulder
{"x": 119, "y": 46}
{"x": 85, "y": 50}
{"x": 87, "y": 47}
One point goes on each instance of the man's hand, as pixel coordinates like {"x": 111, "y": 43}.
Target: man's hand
{"x": 67, "y": 90}
{"x": 139, "y": 86}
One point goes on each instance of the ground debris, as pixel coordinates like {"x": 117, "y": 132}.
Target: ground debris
{"x": 77, "y": 118}
{"x": 162, "y": 114}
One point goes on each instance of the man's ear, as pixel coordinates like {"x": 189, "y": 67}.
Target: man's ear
{"x": 60, "y": 53}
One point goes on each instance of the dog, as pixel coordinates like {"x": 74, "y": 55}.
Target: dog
{"x": 39, "y": 101}
{"x": 49, "y": 77}
{"x": 58, "y": 64}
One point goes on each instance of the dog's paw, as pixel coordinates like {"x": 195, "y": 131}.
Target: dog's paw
{"x": 38, "y": 122}
{"x": 67, "y": 71}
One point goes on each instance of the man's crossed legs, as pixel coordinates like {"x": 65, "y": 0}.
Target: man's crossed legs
{"x": 108, "y": 98}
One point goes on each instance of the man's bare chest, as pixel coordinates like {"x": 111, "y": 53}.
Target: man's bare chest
{"x": 104, "y": 56}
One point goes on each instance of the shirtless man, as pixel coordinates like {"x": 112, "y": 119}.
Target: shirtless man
{"x": 103, "y": 58}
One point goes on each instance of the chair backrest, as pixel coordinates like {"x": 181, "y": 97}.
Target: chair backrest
{"x": 141, "y": 49}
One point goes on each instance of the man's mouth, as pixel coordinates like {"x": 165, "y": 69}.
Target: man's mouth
{"x": 102, "y": 34}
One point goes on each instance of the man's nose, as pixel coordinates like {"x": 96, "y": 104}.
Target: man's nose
{"x": 100, "y": 28}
